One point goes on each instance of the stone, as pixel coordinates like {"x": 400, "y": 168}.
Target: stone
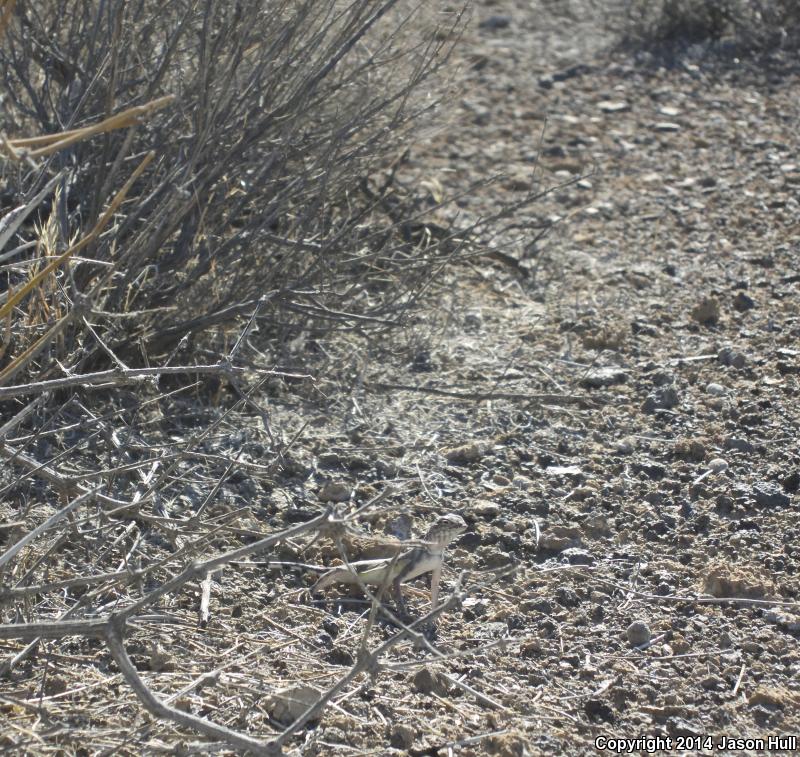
{"x": 484, "y": 508}
{"x": 427, "y": 681}
{"x": 716, "y": 390}
{"x": 667, "y": 126}
{"x": 638, "y": 633}
{"x": 577, "y": 556}
{"x": 606, "y": 376}
{"x": 612, "y": 106}
{"x": 769, "y": 494}
{"x": 573, "y": 471}
{"x": 742, "y": 302}
{"x": 334, "y": 491}
{"x": 497, "y": 21}
{"x": 289, "y": 704}
{"x": 707, "y": 311}
{"x": 727, "y": 356}
{"x": 663, "y": 398}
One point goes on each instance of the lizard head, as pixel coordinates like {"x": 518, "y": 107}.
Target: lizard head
{"x": 445, "y": 529}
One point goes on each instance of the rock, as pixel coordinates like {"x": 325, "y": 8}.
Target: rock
{"x": 402, "y": 736}
{"x": 334, "y": 491}
{"x": 781, "y": 617}
{"x": 769, "y": 494}
{"x": 427, "y": 681}
{"x": 663, "y": 398}
{"x": 690, "y": 449}
{"x": 742, "y": 302}
{"x": 718, "y": 465}
{"x": 329, "y": 459}
{"x": 473, "y": 319}
{"x": 667, "y": 126}
{"x": 727, "y": 356}
{"x": 607, "y": 376}
{"x": 625, "y": 446}
{"x": 707, "y": 311}
{"x": 791, "y": 483}
{"x": 497, "y": 21}
{"x": 577, "y": 556}
{"x": 289, "y": 704}
{"x": 716, "y": 390}
{"x": 563, "y": 470}
{"x": 612, "y": 106}
{"x": 638, "y": 633}
{"x": 566, "y": 597}
{"x": 484, "y": 508}
{"x": 739, "y": 445}
{"x": 464, "y": 454}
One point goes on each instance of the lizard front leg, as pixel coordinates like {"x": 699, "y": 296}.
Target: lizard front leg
{"x": 436, "y": 575}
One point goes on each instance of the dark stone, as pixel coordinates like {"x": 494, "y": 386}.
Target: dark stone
{"x": 769, "y": 494}
{"x": 497, "y": 21}
{"x": 743, "y": 302}
{"x": 577, "y": 556}
{"x": 566, "y": 597}
{"x": 792, "y": 482}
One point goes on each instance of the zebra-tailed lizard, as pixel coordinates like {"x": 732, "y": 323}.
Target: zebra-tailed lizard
{"x": 415, "y": 562}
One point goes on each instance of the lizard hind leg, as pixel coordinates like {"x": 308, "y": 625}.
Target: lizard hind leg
{"x": 398, "y": 595}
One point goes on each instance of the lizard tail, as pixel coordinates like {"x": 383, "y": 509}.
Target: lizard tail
{"x": 335, "y": 576}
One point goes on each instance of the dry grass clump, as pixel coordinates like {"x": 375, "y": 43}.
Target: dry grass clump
{"x": 748, "y": 26}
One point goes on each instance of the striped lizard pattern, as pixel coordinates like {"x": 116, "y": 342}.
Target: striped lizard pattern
{"x": 417, "y": 561}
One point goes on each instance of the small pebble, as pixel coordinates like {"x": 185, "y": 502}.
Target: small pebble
{"x": 717, "y": 390}
{"x": 727, "y": 356}
{"x": 577, "y": 556}
{"x": 289, "y": 704}
{"x": 663, "y": 398}
{"x": 707, "y": 311}
{"x": 334, "y": 491}
{"x": 717, "y": 465}
{"x": 612, "y": 106}
{"x": 743, "y": 302}
{"x": 638, "y": 633}
{"x": 495, "y": 22}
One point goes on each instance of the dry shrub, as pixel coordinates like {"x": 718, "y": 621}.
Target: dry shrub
{"x": 265, "y": 191}
{"x": 749, "y": 26}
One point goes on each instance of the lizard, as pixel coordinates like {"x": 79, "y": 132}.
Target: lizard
{"x": 415, "y": 562}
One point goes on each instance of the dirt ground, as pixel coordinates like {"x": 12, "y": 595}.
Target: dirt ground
{"x": 615, "y": 415}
